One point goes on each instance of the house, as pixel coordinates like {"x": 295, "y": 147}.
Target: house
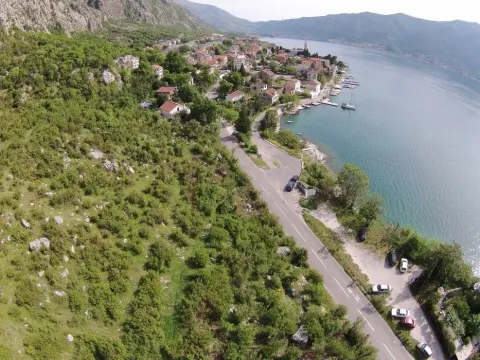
{"x": 170, "y": 108}
{"x": 235, "y": 96}
{"x": 239, "y": 60}
{"x": 267, "y": 74}
{"x": 295, "y": 83}
{"x": 270, "y": 96}
{"x": 158, "y": 70}
{"x": 169, "y": 91}
{"x": 312, "y": 74}
{"x": 222, "y": 60}
{"x": 313, "y": 86}
{"x": 289, "y": 89}
{"x": 259, "y": 86}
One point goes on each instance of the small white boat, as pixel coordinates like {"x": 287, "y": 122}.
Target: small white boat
{"x": 289, "y": 121}
{"x": 306, "y": 106}
{"x": 346, "y": 106}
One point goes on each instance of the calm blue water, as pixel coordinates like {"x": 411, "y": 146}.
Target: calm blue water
{"x": 416, "y": 133}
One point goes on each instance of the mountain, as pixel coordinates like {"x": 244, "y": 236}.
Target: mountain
{"x": 92, "y": 14}
{"x": 218, "y": 18}
{"x": 456, "y": 43}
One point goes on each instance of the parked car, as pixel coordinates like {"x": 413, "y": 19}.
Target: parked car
{"x": 381, "y": 288}
{"x": 408, "y": 322}
{"x": 392, "y": 258}
{"x": 400, "y": 313}
{"x": 363, "y": 233}
{"x": 290, "y": 186}
{"x": 294, "y": 178}
{"x": 425, "y": 350}
{"x": 403, "y": 265}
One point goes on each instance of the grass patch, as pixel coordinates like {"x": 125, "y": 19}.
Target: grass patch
{"x": 258, "y": 161}
{"x": 309, "y": 204}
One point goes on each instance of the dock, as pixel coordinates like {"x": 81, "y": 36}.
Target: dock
{"x": 327, "y": 102}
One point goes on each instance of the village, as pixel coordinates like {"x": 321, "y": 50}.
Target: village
{"x": 240, "y": 70}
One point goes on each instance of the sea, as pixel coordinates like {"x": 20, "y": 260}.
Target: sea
{"x": 416, "y": 133}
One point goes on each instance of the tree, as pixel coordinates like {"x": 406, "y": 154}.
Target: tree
{"x": 353, "y": 183}
{"x": 184, "y": 49}
{"x": 244, "y": 123}
{"x": 204, "y": 110}
{"x": 372, "y": 207}
{"x": 188, "y": 93}
{"x": 204, "y": 79}
{"x": 230, "y": 114}
{"x": 175, "y": 62}
{"x": 269, "y": 121}
{"x": 473, "y": 325}
{"x": 160, "y": 255}
{"x": 225, "y": 88}
{"x": 243, "y": 72}
{"x": 161, "y": 99}
{"x": 235, "y": 78}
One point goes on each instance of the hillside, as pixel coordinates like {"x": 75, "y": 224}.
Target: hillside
{"x": 456, "y": 43}
{"x": 218, "y": 18}
{"x": 92, "y": 14}
{"x": 127, "y": 236}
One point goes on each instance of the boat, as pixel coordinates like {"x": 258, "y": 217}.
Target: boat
{"x": 307, "y": 106}
{"x": 346, "y": 106}
{"x": 289, "y": 121}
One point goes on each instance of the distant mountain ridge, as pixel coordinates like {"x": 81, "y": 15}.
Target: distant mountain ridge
{"x": 70, "y": 15}
{"x": 456, "y": 43}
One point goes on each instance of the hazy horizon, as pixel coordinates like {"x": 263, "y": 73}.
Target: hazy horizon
{"x": 280, "y": 9}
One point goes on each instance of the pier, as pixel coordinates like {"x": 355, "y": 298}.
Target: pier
{"x": 328, "y": 102}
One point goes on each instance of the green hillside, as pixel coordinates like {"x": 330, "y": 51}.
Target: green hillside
{"x": 126, "y": 236}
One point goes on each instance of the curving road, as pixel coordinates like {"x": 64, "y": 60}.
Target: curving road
{"x": 270, "y": 184}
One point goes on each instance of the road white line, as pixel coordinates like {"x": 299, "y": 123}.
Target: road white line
{"x": 356, "y": 297}
{"x": 341, "y": 287}
{"x": 252, "y": 174}
{"x": 279, "y": 208}
{"x": 241, "y": 161}
{"x": 371, "y": 327}
{"x": 266, "y": 192}
{"x": 393, "y": 357}
{"x": 299, "y": 233}
{"x": 336, "y": 302}
{"x": 314, "y": 253}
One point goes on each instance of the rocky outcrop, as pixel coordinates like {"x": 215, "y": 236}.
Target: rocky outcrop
{"x": 71, "y": 15}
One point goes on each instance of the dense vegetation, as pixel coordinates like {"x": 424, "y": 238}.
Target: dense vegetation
{"x": 158, "y": 246}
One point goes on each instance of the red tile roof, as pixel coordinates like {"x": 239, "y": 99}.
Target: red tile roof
{"x": 167, "y": 89}
{"x": 271, "y": 92}
{"x": 168, "y": 106}
{"x": 236, "y": 93}
{"x": 289, "y": 89}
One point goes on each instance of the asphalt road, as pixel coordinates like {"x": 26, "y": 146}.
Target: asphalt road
{"x": 270, "y": 184}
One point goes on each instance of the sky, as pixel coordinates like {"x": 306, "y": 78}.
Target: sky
{"x": 257, "y": 10}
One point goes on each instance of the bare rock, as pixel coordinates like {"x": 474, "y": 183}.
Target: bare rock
{"x": 9, "y": 177}
{"x": 65, "y": 258}
{"x": 64, "y": 273}
{"x": 72, "y": 249}
{"x": 25, "y": 224}
{"x": 96, "y": 154}
{"x": 128, "y": 62}
{"x": 39, "y": 243}
{"x": 283, "y": 250}
{"x": 90, "y": 77}
{"x": 58, "y": 220}
{"x": 301, "y": 336}
{"x": 41, "y": 273}
{"x": 107, "y": 76}
{"x": 59, "y": 293}
{"x": 110, "y": 165}
{"x": 69, "y": 337}
{"x": 130, "y": 171}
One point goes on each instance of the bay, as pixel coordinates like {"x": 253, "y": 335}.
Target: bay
{"x": 416, "y": 133}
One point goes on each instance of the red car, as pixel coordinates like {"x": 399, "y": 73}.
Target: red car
{"x": 408, "y": 322}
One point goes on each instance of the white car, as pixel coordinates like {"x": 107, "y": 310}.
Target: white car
{"x": 381, "y": 288}
{"x": 425, "y": 350}
{"x": 403, "y": 265}
{"x": 400, "y": 313}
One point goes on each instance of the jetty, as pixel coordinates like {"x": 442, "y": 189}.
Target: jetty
{"x": 328, "y": 102}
